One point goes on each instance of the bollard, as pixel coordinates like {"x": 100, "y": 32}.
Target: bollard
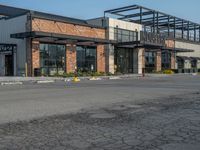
{"x": 143, "y": 72}
{"x": 76, "y": 79}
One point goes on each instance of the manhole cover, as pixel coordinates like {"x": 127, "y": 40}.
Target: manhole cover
{"x": 102, "y": 115}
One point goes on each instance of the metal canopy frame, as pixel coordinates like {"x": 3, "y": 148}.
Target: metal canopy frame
{"x": 159, "y": 22}
{"x": 59, "y": 37}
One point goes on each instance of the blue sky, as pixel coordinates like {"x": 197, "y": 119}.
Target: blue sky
{"x": 86, "y": 9}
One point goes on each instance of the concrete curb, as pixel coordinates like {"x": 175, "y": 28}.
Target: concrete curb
{"x": 45, "y": 81}
{"x": 114, "y": 78}
{"x": 95, "y": 79}
{"x": 11, "y": 83}
{"x": 39, "y": 80}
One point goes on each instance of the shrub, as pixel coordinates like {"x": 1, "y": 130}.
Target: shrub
{"x": 158, "y": 72}
{"x": 168, "y": 71}
{"x": 81, "y": 74}
{"x": 110, "y": 74}
{"x": 65, "y": 75}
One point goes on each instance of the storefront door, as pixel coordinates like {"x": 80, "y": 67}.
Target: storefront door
{"x": 124, "y": 60}
{"x": 8, "y": 65}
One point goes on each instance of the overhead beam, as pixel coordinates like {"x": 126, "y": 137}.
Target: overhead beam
{"x": 121, "y": 9}
{"x": 136, "y": 15}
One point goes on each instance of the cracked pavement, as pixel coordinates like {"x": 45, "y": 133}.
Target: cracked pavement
{"x": 164, "y": 123}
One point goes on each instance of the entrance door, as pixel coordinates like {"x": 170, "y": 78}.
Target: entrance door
{"x": 8, "y": 65}
{"x": 124, "y": 60}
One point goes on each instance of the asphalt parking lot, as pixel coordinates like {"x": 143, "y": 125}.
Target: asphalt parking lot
{"x": 145, "y": 113}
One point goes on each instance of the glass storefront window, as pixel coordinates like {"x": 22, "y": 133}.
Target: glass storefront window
{"x": 124, "y": 60}
{"x": 122, "y": 35}
{"x": 86, "y": 58}
{"x": 150, "y": 62}
{"x": 52, "y": 59}
{"x": 166, "y": 60}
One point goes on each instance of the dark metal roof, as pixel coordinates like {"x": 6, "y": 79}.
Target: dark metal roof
{"x": 42, "y": 15}
{"x": 11, "y": 11}
{"x": 58, "y": 37}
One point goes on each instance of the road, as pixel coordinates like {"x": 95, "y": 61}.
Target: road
{"x": 136, "y": 114}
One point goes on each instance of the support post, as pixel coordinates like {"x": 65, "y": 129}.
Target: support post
{"x": 153, "y": 22}
{"x": 182, "y": 30}
{"x": 140, "y": 15}
{"x": 174, "y": 27}
{"x": 157, "y": 21}
{"x": 188, "y": 31}
{"x": 194, "y": 32}
{"x": 199, "y": 33}
{"x": 158, "y": 61}
{"x": 168, "y": 26}
{"x": 26, "y": 69}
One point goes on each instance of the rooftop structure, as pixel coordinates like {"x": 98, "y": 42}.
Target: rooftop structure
{"x": 158, "y": 22}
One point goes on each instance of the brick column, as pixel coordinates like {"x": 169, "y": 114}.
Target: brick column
{"x": 158, "y": 61}
{"x": 28, "y": 48}
{"x": 70, "y": 58}
{"x": 140, "y": 60}
{"x": 110, "y": 65}
{"x": 173, "y": 60}
{"x": 35, "y": 55}
{"x": 101, "y": 65}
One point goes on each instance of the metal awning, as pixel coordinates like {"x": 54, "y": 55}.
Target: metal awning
{"x": 59, "y": 37}
{"x": 139, "y": 44}
{"x": 183, "y": 58}
{"x": 178, "y": 50}
{"x": 195, "y": 58}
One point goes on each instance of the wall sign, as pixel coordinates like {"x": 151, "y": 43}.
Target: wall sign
{"x": 7, "y": 48}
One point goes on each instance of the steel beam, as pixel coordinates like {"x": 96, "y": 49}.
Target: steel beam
{"x": 182, "y": 29}
{"x": 194, "y": 32}
{"x": 188, "y": 31}
{"x": 140, "y": 15}
{"x": 174, "y": 27}
{"x": 136, "y": 15}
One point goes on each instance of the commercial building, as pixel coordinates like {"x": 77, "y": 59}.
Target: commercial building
{"x": 150, "y": 40}
{"x": 32, "y": 41}
{"x": 130, "y": 39}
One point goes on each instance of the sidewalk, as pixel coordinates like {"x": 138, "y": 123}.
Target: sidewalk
{"x": 36, "y": 79}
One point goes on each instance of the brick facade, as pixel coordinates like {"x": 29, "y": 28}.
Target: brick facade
{"x": 67, "y": 28}
{"x": 170, "y": 43}
{"x": 158, "y": 61}
{"x": 173, "y": 61}
{"x": 101, "y": 58}
{"x": 70, "y": 58}
{"x": 35, "y": 56}
{"x": 140, "y": 60}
